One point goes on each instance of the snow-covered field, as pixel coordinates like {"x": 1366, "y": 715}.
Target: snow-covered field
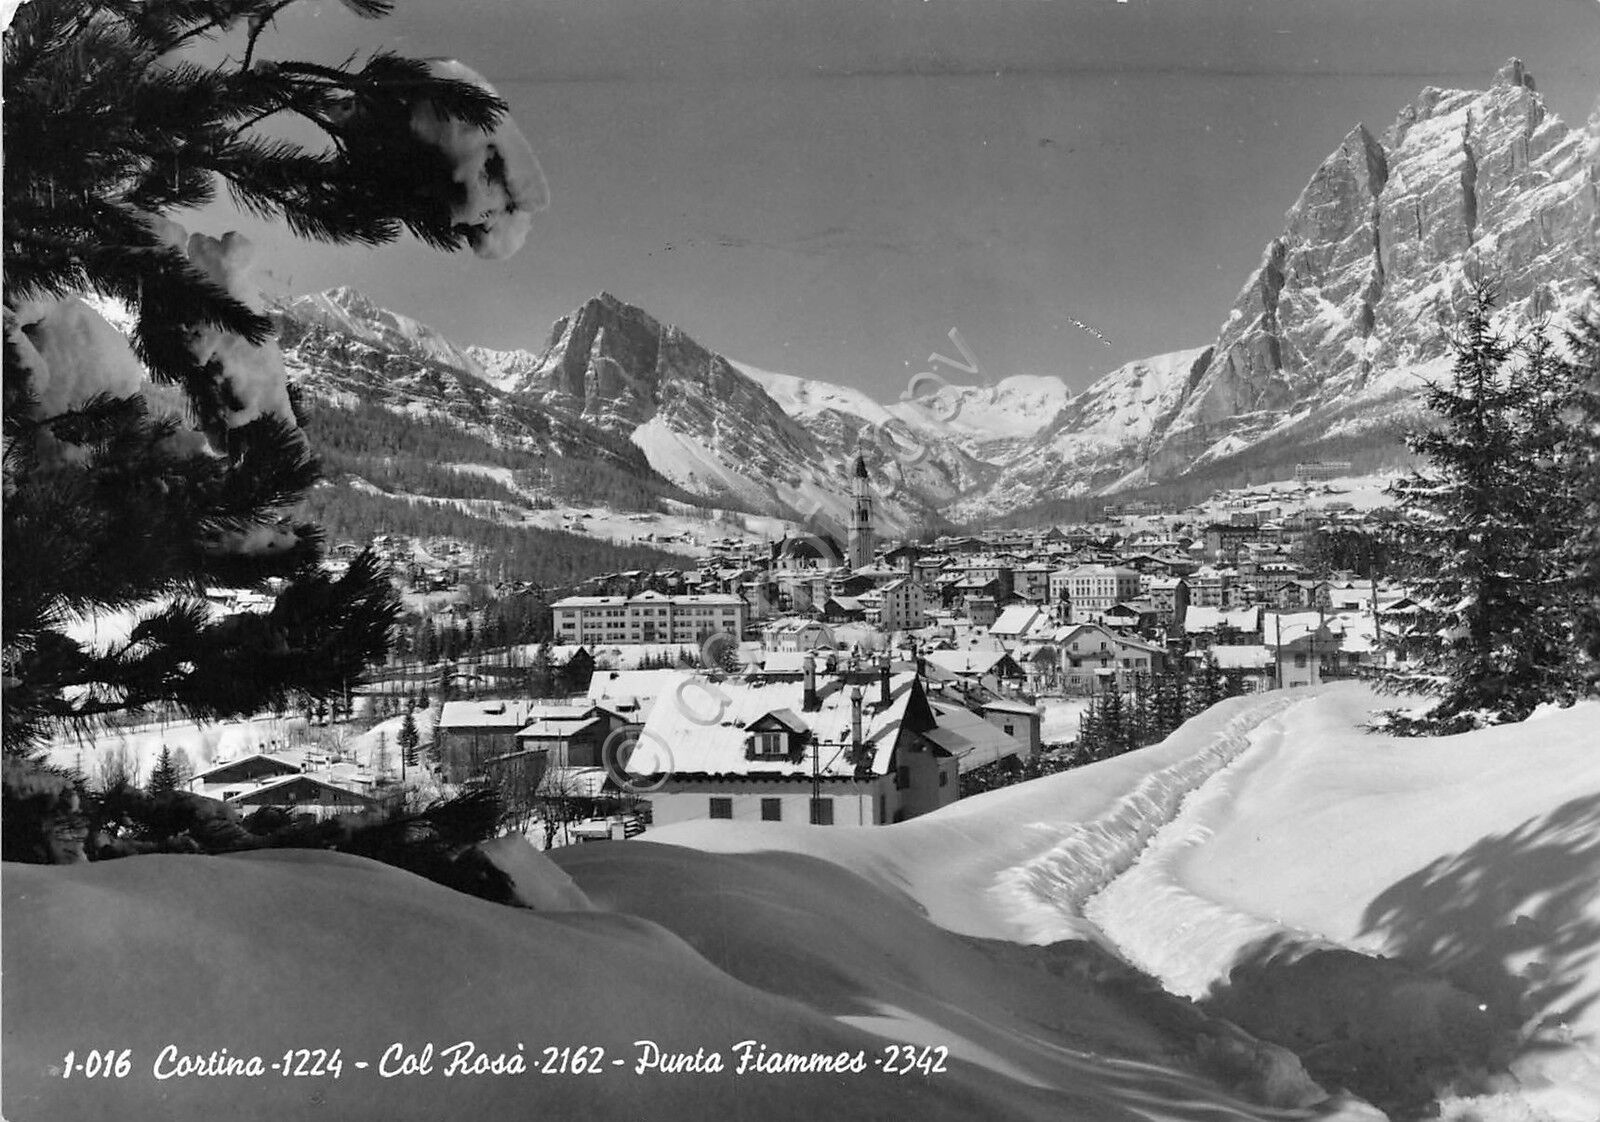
{"x": 1271, "y": 820}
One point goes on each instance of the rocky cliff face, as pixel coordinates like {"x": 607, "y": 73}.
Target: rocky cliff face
{"x": 1329, "y": 338}
{"x": 702, "y": 422}
{"x": 1347, "y": 304}
{"x": 341, "y": 349}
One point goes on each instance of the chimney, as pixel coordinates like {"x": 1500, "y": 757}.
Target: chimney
{"x": 809, "y": 701}
{"x": 855, "y": 718}
{"x": 883, "y": 681}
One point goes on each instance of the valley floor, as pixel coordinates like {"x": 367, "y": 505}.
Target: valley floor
{"x": 1262, "y": 833}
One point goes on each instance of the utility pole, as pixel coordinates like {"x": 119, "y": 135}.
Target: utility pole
{"x": 816, "y": 778}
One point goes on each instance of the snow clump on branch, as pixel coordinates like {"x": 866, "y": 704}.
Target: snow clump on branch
{"x": 251, "y": 379}
{"x": 500, "y": 181}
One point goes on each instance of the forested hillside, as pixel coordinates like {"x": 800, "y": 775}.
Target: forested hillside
{"x": 552, "y": 558}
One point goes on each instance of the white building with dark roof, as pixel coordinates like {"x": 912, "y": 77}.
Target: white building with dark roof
{"x": 823, "y": 750}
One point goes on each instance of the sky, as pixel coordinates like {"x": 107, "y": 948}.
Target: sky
{"x": 830, "y": 187}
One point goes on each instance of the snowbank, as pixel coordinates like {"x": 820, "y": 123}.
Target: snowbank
{"x": 263, "y": 953}
{"x": 1016, "y": 863}
{"x": 1472, "y": 858}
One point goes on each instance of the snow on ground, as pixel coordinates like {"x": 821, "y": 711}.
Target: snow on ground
{"x": 1472, "y": 858}
{"x": 205, "y": 743}
{"x": 1061, "y": 718}
{"x": 1475, "y": 857}
{"x": 671, "y": 533}
{"x": 693, "y": 953}
{"x": 1278, "y": 819}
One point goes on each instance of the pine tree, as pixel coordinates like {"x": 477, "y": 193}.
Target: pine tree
{"x": 1579, "y": 449}
{"x": 1486, "y": 644}
{"x": 1113, "y": 717}
{"x": 1091, "y": 731}
{"x": 122, "y": 494}
{"x": 1169, "y": 708}
{"x": 1211, "y": 687}
{"x": 408, "y": 738}
{"x": 165, "y": 777}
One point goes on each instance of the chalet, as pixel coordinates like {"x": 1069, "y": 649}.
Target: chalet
{"x": 303, "y": 794}
{"x": 827, "y": 752}
{"x": 238, "y": 776}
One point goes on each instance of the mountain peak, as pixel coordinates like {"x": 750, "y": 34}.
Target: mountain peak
{"x": 1513, "y": 74}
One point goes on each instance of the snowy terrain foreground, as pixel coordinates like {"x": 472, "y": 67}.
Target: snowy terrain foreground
{"x": 1275, "y": 825}
{"x": 1474, "y": 856}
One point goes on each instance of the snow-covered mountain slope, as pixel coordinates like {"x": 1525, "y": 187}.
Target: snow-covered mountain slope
{"x": 347, "y": 358}
{"x": 1379, "y": 251}
{"x": 1108, "y": 423}
{"x": 351, "y": 313}
{"x": 988, "y": 420}
{"x": 711, "y": 427}
{"x": 1333, "y": 334}
{"x": 1321, "y": 356}
{"x": 502, "y": 369}
{"x": 967, "y": 429}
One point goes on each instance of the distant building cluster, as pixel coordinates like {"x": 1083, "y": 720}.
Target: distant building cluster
{"x": 863, "y": 680}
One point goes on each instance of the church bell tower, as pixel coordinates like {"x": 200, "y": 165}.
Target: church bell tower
{"x": 861, "y": 538}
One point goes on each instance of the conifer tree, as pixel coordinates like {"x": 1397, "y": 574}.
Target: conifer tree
{"x": 1168, "y": 705}
{"x": 1487, "y": 642}
{"x": 408, "y": 738}
{"x": 122, "y": 493}
{"x": 1091, "y": 731}
{"x": 164, "y": 778}
{"x": 1211, "y": 687}
{"x": 1579, "y": 449}
{"x": 1114, "y": 730}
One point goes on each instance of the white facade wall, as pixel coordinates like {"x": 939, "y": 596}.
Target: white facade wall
{"x": 854, "y": 803}
{"x": 649, "y": 618}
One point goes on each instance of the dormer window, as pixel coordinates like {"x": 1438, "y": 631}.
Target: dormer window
{"x": 767, "y": 745}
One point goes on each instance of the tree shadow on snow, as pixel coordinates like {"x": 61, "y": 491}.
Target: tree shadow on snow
{"x": 1506, "y": 919}
{"x": 1491, "y": 949}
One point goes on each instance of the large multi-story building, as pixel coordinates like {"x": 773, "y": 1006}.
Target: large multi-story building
{"x": 650, "y": 617}
{"x": 1092, "y": 589}
{"x": 897, "y": 606}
